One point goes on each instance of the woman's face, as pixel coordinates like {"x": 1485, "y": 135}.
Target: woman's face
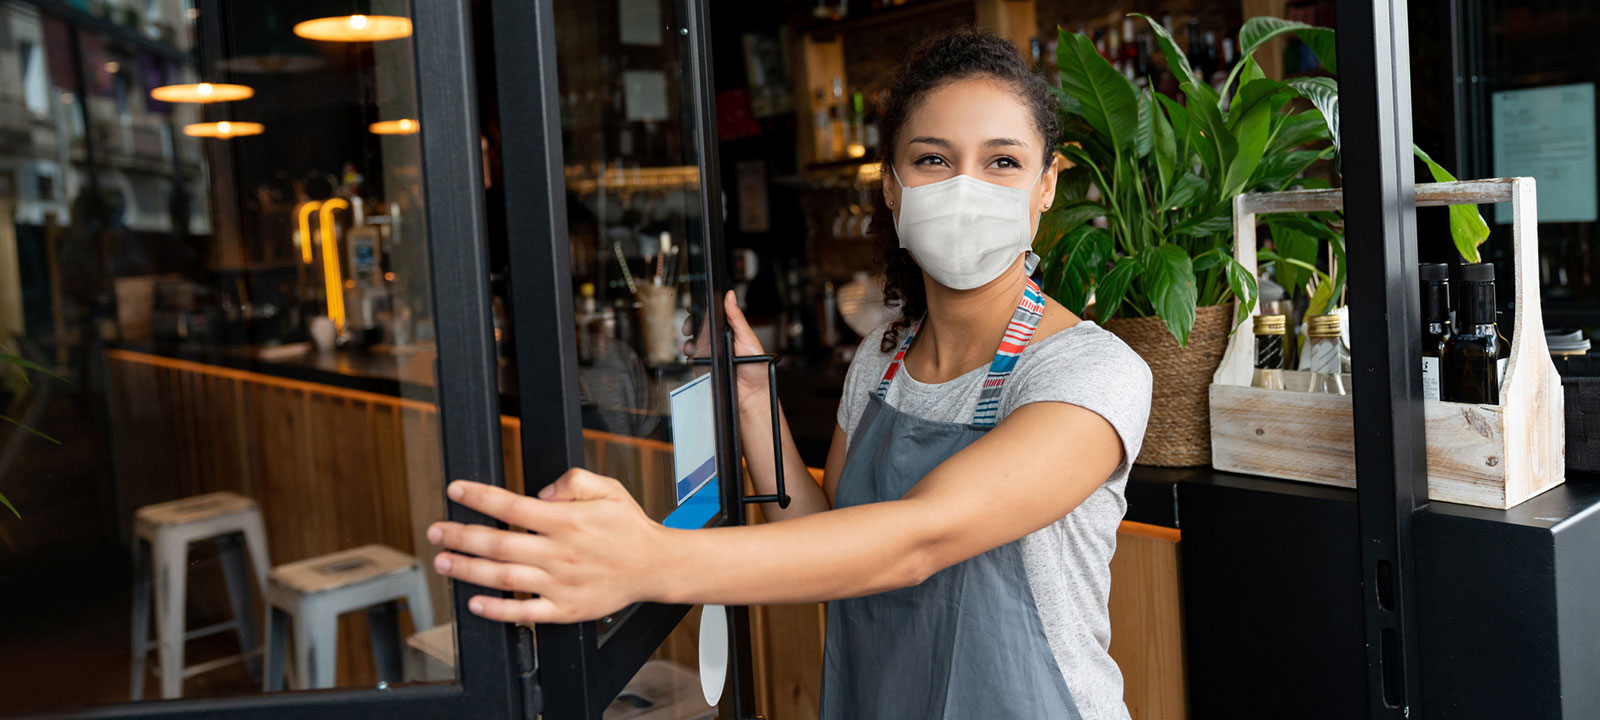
{"x": 976, "y": 127}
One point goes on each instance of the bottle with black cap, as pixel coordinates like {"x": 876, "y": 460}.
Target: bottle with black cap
{"x": 1435, "y": 326}
{"x": 1472, "y": 354}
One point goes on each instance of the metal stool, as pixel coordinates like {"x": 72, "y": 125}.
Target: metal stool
{"x": 313, "y": 593}
{"x": 162, "y": 534}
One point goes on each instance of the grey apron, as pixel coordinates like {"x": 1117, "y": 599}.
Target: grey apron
{"x": 965, "y": 643}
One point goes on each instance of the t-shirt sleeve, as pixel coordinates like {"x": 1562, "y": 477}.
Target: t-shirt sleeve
{"x": 1099, "y": 373}
{"x": 865, "y": 370}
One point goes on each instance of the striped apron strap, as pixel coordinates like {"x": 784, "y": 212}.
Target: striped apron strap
{"x": 1018, "y": 333}
{"x": 1024, "y": 320}
{"x": 899, "y": 356}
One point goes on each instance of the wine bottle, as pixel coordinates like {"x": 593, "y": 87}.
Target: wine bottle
{"x": 1472, "y": 355}
{"x": 1435, "y": 326}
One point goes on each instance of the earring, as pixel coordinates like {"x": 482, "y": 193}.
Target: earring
{"x": 891, "y": 203}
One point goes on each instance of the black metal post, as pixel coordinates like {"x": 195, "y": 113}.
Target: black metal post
{"x": 1381, "y": 229}
{"x": 540, "y": 269}
{"x": 468, "y": 382}
{"x": 739, "y": 699}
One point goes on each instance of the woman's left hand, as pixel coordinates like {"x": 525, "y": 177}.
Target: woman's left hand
{"x": 593, "y": 552}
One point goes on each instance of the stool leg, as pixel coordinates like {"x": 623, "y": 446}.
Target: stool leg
{"x": 171, "y": 568}
{"x": 244, "y": 611}
{"x": 383, "y": 628}
{"x": 420, "y": 603}
{"x": 141, "y": 615}
{"x": 316, "y": 640}
{"x": 277, "y": 639}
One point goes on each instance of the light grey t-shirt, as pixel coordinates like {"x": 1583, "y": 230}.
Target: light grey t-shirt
{"x": 1068, "y": 562}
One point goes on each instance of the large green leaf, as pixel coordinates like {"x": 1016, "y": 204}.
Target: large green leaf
{"x": 1258, "y": 30}
{"x": 1248, "y": 73}
{"x": 1187, "y": 192}
{"x": 1278, "y": 168}
{"x": 1072, "y": 185}
{"x": 1252, "y": 132}
{"x": 1074, "y": 274}
{"x": 1323, "y": 299}
{"x": 1299, "y": 129}
{"x": 1243, "y": 286}
{"x": 4, "y": 501}
{"x": 1165, "y": 147}
{"x": 1168, "y": 280}
{"x": 1146, "y": 134}
{"x": 1075, "y": 215}
{"x": 1106, "y": 99}
{"x": 1467, "y": 227}
{"x": 1110, "y": 291}
{"x": 1216, "y": 144}
{"x": 1218, "y": 219}
{"x": 1177, "y": 62}
{"x": 1295, "y": 245}
{"x": 1323, "y": 93}
{"x": 1255, "y": 92}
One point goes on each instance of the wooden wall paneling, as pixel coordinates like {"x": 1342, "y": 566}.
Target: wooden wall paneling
{"x": 276, "y": 419}
{"x": 511, "y": 453}
{"x": 424, "y": 463}
{"x": 1146, "y": 608}
{"x": 791, "y": 661}
{"x": 388, "y": 458}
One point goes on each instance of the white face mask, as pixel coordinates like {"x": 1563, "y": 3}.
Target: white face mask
{"x": 964, "y": 232}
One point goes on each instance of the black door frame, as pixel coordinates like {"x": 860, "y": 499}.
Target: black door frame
{"x": 489, "y": 683}
{"x": 577, "y": 674}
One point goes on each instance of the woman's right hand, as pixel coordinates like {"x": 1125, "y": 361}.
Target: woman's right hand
{"x": 750, "y": 379}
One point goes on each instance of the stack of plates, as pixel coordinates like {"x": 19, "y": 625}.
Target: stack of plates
{"x": 1566, "y": 343}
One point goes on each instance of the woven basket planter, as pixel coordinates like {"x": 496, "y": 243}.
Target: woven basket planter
{"x": 1179, "y": 434}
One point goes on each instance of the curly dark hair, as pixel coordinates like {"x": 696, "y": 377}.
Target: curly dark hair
{"x": 958, "y": 54}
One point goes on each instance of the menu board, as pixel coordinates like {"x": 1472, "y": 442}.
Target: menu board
{"x": 1548, "y": 134}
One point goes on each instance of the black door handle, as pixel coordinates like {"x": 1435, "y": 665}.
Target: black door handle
{"x": 782, "y": 496}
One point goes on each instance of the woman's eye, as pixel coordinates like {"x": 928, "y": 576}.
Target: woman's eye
{"x": 929, "y": 160}
{"x": 1007, "y": 163}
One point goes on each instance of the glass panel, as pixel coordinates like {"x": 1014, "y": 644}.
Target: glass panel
{"x": 218, "y": 332}
{"x": 639, "y": 270}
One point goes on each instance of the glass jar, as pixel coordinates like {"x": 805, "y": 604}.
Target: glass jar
{"x": 1269, "y": 331}
{"x": 1323, "y": 348}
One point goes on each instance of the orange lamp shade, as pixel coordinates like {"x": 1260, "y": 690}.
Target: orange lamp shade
{"x": 223, "y": 130}
{"x": 202, "y": 93}
{"x": 354, "y": 28}
{"x": 403, "y": 126}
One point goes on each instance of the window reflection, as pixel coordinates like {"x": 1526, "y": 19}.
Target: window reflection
{"x": 216, "y": 322}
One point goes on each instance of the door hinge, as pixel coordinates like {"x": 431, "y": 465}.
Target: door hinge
{"x": 528, "y": 675}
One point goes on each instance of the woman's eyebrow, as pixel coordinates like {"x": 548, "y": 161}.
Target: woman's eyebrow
{"x": 1004, "y": 142}
{"x": 931, "y": 140}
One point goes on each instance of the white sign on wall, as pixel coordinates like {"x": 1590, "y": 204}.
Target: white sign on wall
{"x": 1548, "y": 134}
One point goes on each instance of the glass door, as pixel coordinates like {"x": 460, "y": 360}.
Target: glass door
{"x": 246, "y": 333}
{"x": 613, "y": 214}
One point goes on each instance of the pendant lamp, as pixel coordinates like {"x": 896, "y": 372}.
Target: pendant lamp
{"x": 403, "y": 126}
{"x": 224, "y": 130}
{"x": 355, "y": 27}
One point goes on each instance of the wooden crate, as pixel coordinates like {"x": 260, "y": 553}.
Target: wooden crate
{"x": 1486, "y": 455}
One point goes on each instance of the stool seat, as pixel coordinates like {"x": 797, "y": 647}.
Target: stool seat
{"x": 341, "y": 569}
{"x": 194, "y": 509}
{"x": 306, "y": 598}
{"x": 163, "y": 533}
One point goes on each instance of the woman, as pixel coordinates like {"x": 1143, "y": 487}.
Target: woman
{"x": 964, "y": 526}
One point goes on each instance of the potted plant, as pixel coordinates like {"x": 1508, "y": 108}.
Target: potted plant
{"x": 14, "y": 379}
{"x": 1163, "y": 175}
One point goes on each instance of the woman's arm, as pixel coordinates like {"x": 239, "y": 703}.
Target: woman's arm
{"x": 596, "y": 552}
{"x": 755, "y": 430}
